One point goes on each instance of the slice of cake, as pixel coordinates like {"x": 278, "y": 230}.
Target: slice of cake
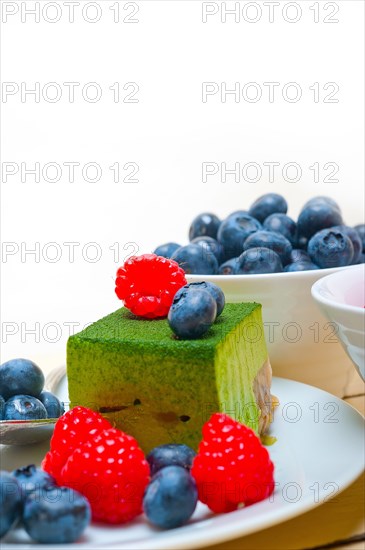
{"x": 160, "y": 389}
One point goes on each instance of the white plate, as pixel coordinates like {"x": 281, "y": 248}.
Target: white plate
{"x": 318, "y": 453}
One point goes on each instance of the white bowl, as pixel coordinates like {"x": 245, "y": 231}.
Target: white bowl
{"x": 341, "y": 297}
{"x": 302, "y": 343}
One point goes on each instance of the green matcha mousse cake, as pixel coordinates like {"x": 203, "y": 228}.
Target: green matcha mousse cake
{"x": 160, "y": 389}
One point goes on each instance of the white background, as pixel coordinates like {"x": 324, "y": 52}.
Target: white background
{"x": 168, "y": 133}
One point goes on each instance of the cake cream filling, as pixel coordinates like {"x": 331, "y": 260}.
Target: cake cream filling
{"x": 264, "y": 400}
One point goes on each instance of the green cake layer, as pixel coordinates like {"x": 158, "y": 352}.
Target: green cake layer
{"x": 160, "y": 389}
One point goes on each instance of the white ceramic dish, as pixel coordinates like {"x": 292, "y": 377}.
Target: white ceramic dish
{"x": 318, "y": 453}
{"x": 299, "y": 337}
{"x": 341, "y": 298}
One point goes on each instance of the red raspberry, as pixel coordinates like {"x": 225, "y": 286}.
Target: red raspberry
{"x": 71, "y": 430}
{"x": 111, "y": 471}
{"x": 147, "y": 284}
{"x": 232, "y": 467}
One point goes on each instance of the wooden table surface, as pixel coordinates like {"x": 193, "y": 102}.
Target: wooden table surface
{"x": 337, "y": 524}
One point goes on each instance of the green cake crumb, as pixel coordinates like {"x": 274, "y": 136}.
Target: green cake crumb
{"x": 160, "y": 389}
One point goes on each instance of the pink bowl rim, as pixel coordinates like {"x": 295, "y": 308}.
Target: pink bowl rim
{"x": 320, "y": 299}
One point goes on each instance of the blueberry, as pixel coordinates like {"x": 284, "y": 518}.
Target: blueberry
{"x": 170, "y": 498}
{"x": 52, "y": 404}
{"x": 238, "y": 213}
{"x": 204, "y": 225}
{"x": 230, "y": 267}
{"x": 166, "y": 250}
{"x": 195, "y": 259}
{"x": 33, "y": 479}
{"x": 298, "y": 255}
{"x": 330, "y": 248}
{"x": 20, "y": 376}
{"x": 259, "y": 260}
{"x": 361, "y": 232}
{"x": 302, "y": 242}
{"x": 10, "y": 502}
{"x": 234, "y": 231}
{"x": 301, "y": 266}
{"x": 2, "y": 407}
{"x": 60, "y": 515}
{"x": 317, "y": 216}
{"x": 322, "y": 200}
{"x": 281, "y": 223}
{"x": 24, "y": 407}
{"x": 274, "y": 241}
{"x": 192, "y": 314}
{"x": 214, "y": 290}
{"x": 354, "y": 238}
{"x": 172, "y": 454}
{"x": 361, "y": 259}
{"x": 211, "y": 246}
{"x": 271, "y": 203}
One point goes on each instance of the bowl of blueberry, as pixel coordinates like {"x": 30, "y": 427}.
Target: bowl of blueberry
{"x": 28, "y": 412}
{"x": 262, "y": 254}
